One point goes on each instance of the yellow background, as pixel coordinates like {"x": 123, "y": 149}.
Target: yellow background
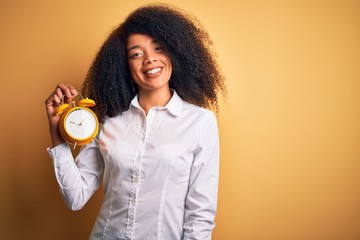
{"x": 290, "y": 128}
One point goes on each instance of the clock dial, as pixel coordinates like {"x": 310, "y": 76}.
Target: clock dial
{"x": 80, "y": 124}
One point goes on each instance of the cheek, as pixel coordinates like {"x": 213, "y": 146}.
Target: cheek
{"x": 134, "y": 67}
{"x": 170, "y": 62}
{"x": 170, "y": 68}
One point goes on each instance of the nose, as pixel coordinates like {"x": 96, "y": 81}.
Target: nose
{"x": 150, "y": 58}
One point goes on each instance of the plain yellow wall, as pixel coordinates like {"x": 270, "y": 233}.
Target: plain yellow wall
{"x": 290, "y": 129}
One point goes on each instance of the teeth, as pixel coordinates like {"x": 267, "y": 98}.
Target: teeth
{"x": 153, "y": 71}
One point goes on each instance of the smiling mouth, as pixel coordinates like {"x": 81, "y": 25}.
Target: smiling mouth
{"x": 153, "y": 71}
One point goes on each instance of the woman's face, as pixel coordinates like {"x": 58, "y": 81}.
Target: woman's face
{"x": 149, "y": 63}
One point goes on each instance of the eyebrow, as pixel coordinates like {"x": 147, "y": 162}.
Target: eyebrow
{"x": 137, "y": 46}
{"x": 134, "y": 47}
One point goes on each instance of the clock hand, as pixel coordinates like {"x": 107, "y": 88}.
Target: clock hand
{"x": 76, "y": 123}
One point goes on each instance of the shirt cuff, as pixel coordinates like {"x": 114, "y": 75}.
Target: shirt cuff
{"x": 59, "y": 149}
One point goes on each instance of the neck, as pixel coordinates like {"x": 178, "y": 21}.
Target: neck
{"x": 149, "y": 99}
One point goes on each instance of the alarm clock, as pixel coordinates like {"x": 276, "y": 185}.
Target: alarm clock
{"x": 78, "y": 124}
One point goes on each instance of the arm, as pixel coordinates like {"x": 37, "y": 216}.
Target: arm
{"x": 79, "y": 179}
{"x": 201, "y": 200}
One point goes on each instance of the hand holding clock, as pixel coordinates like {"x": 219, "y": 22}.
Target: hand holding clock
{"x": 62, "y": 91}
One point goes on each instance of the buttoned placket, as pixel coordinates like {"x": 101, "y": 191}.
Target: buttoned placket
{"x": 136, "y": 173}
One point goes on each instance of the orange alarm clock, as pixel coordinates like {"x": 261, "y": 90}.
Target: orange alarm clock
{"x": 78, "y": 124}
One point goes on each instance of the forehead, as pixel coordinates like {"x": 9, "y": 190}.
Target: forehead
{"x": 138, "y": 39}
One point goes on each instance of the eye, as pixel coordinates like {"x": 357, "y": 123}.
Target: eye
{"x": 159, "y": 48}
{"x": 134, "y": 55}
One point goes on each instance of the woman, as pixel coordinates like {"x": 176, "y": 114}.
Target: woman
{"x": 153, "y": 81}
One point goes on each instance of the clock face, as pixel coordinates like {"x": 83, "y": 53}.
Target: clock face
{"x": 80, "y": 123}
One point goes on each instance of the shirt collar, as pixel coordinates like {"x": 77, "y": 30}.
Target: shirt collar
{"x": 174, "y": 106}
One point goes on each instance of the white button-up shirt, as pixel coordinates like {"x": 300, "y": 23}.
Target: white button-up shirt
{"x": 160, "y": 173}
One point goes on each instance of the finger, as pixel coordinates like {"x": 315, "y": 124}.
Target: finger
{"x": 68, "y": 90}
{"x": 55, "y": 98}
{"x": 63, "y": 89}
{"x": 59, "y": 92}
{"x": 72, "y": 89}
{"x": 62, "y": 94}
{"x": 53, "y": 101}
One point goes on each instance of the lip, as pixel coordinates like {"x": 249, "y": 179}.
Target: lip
{"x": 154, "y": 71}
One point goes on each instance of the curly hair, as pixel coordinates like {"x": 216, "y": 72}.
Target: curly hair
{"x": 196, "y": 76}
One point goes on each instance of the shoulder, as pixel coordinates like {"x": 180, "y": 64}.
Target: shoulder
{"x": 197, "y": 112}
{"x": 189, "y": 107}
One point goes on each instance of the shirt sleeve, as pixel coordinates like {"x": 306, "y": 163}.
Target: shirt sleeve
{"x": 78, "y": 179}
{"x": 201, "y": 200}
